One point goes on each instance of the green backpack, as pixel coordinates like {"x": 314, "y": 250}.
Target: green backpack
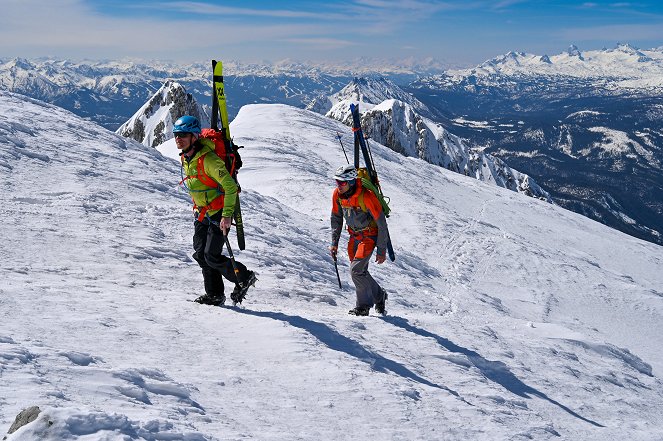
{"x": 367, "y": 184}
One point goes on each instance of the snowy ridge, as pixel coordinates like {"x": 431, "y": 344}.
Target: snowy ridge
{"x": 509, "y": 317}
{"x": 397, "y": 125}
{"x": 153, "y": 123}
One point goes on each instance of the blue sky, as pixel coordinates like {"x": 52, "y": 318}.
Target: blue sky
{"x": 457, "y": 32}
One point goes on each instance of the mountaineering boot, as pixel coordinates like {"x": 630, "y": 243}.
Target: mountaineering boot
{"x": 239, "y": 293}
{"x": 214, "y": 300}
{"x": 379, "y": 306}
{"x": 359, "y": 310}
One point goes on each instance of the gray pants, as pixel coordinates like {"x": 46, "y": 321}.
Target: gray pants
{"x": 368, "y": 290}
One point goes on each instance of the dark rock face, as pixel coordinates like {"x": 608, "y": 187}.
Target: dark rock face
{"x": 26, "y": 416}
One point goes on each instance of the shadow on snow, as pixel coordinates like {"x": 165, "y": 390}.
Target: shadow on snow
{"x": 495, "y": 371}
{"x": 338, "y": 342}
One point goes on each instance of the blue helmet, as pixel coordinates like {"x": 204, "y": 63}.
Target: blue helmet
{"x": 187, "y": 124}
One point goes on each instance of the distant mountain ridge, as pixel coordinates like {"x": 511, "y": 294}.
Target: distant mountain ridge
{"x": 621, "y": 68}
{"x": 366, "y": 91}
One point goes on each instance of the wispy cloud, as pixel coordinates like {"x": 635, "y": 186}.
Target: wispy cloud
{"x": 327, "y": 43}
{"x": 505, "y": 4}
{"x": 388, "y": 17}
{"x": 206, "y": 8}
{"x": 35, "y": 28}
{"x": 412, "y": 5}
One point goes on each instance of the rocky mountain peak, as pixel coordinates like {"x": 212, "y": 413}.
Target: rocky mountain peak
{"x": 368, "y": 91}
{"x": 573, "y": 51}
{"x": 152, "y": 124}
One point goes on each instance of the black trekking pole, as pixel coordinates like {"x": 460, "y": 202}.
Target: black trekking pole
{"x": 338, "y": 135}
{"x": 338, "y": 277}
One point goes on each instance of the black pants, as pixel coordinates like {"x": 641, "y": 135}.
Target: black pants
{"x": 208, "y": 242}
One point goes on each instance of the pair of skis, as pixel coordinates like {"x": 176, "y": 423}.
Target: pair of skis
{"x": 219, "y": 107}
{"x": 361, "y": 144}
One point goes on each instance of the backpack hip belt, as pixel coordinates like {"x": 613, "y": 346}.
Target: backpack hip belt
{"x": 216, "y": 204}
{"x": 371, "y": 230}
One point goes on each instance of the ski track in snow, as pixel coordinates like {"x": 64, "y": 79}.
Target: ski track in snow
{"x": 508, "y": 318}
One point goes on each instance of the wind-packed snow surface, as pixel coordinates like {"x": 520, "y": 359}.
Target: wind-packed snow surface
{"x": 509, "y": 318}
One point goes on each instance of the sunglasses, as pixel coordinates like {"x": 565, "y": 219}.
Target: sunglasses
{"x": 181, "y": 134}
{"x": 341, "y": 183}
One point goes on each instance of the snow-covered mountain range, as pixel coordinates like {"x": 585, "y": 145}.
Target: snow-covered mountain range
{"x": 616, "y": 70}
{"x": 153, "y": 123}
{"x": 508, "y": 317}
{"x": 105, "y": 92}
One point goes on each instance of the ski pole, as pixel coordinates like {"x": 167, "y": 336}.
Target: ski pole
{"x": 338, "y": 135}
{"x": 338, "y": 277}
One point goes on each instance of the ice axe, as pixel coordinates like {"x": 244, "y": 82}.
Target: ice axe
{"x": 230, "y": 252}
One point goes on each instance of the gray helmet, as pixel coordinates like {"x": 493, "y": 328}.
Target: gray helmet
{"x": 346, "y": 173}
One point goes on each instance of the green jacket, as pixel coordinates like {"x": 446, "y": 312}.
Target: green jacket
{"x": 215, "y": 168}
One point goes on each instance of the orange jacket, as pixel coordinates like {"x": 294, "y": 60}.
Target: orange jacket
{"x": 370, "y": 220}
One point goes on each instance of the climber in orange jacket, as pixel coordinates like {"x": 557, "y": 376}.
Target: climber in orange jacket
{"x": 367, "y": 226}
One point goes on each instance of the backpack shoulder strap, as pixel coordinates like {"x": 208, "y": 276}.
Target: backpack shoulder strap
{"x": 202, "y": 175}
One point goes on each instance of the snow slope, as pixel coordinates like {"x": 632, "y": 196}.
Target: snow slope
{"x": 509, "y": 318}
